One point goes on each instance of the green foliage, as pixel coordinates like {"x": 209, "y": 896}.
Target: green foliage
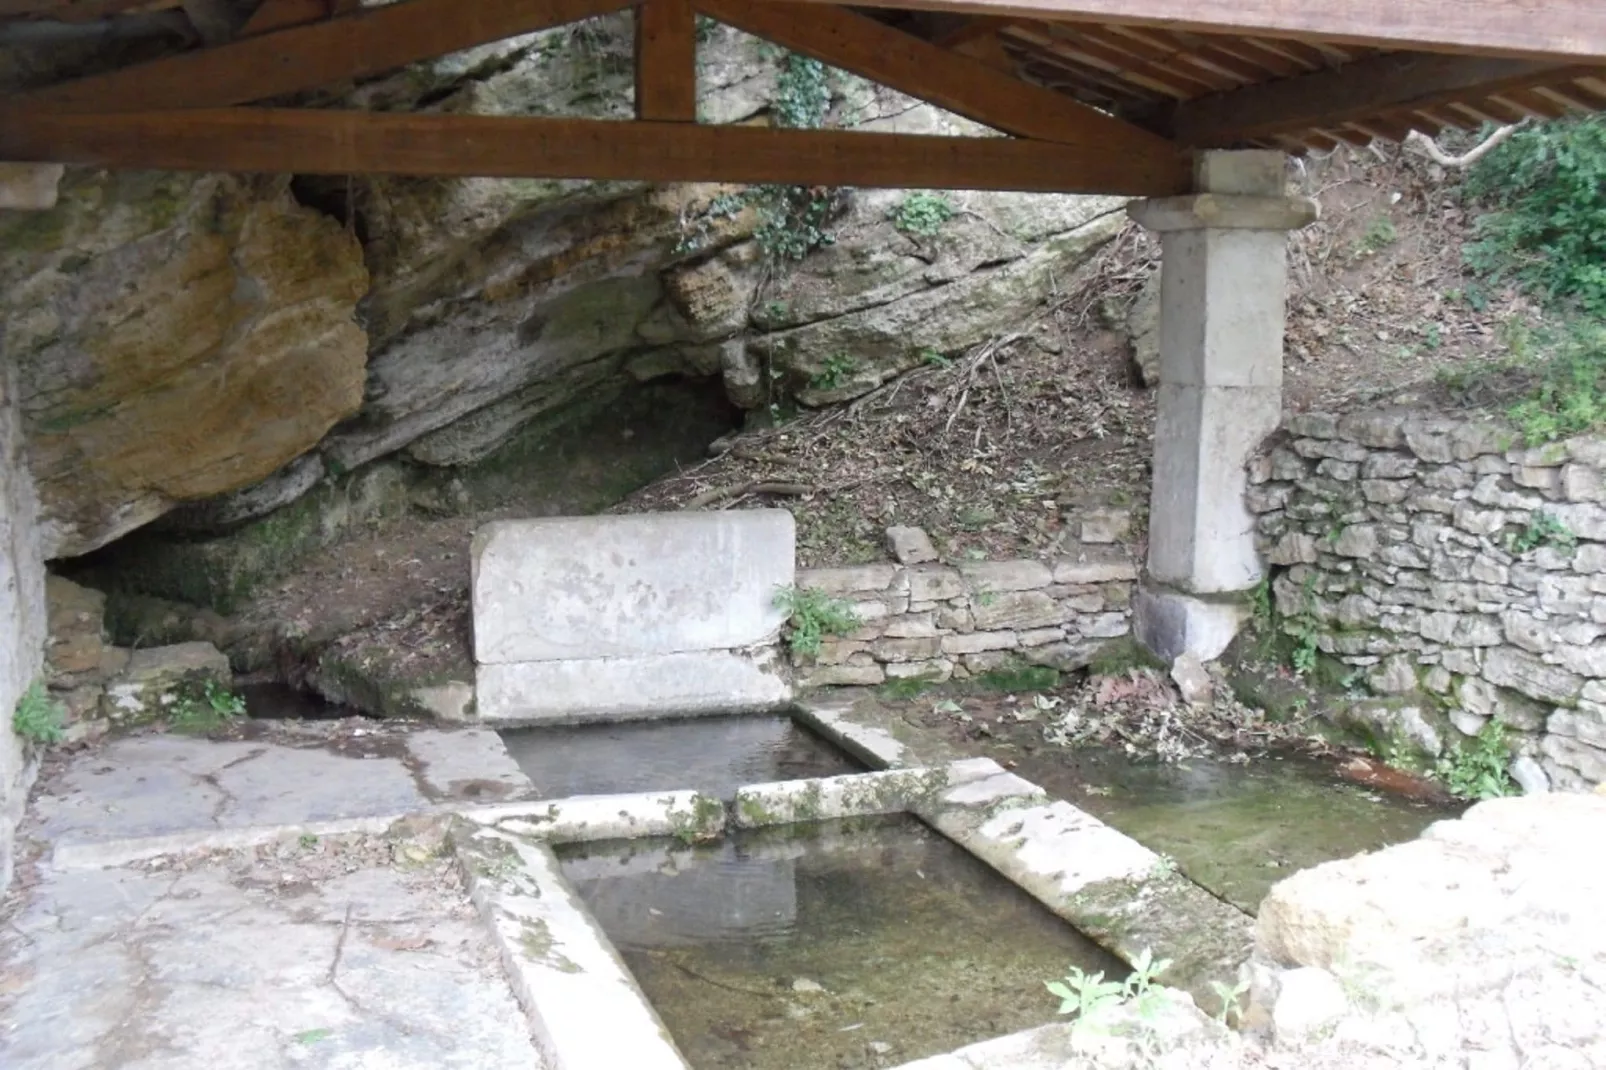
{"x": 1477, "y": 769}
{"x": 39, "y": 718}
{"x": 1231, "y": 997}
{"x": 921, "y": 214}
{"x": 934, "y": 359}
{"x": 1090, "y": 998}
{"x": 1121, "y": 656}
{"x": 813, "y": 615}
{"x": 205, "y": 708}
{"x": 1547, "y": 188}
{"x": 907, "y": 687}
{"x": 1305, "y": 629}
{"x": 835, "y": 372}
{"x": 1543, "y": 529}
{"x": 1380, "y": 234}
{"x": 1566, "y": 391}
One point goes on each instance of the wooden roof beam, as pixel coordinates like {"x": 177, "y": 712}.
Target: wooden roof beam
{"x": 666, "y": 61}
{"x": 280, "y": 140}
{"x": 1571, "y": 30}
{"x": 1345, "y": 93}
{"x": 357, "y": 45}
{"x": 958, "y": 83}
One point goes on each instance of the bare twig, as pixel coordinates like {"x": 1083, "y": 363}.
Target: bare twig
{"x": 719, "y": 494}
{"x": 1426, "y": 146}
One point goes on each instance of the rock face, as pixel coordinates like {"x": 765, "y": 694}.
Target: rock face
{"x": 224, "y": 345}
{"x": 176, "y": 338}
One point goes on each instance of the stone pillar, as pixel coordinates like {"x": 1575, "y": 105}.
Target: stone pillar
{"x": 1222, "y": 306}
{"x": 29, "y": 186}
{"x": 22, "y": 614}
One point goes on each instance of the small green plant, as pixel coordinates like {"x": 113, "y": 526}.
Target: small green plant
{"x": 205, "y": 708}
{"x": 39, "y": 718}
{"x": 307, "y": 841}
{"x": 907, "y": 687}
{"x": 838, "y": 367}
{"x": 1476, "y": 769}
{"x": 1231, "y": 997}
{"x": 931, "y": 358}
{"x": 1090, "y": 998}
{"x": 813, "y": 615}
{"x": 921, "y": 214}
{"x": 1305, "y": 630}
{"x": 1542, "y": 529}
{"x": 1380, "y": 234}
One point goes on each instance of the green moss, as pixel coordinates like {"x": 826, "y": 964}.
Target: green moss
{"x": 701, "y": 823}
{"x": 1121, "y": 656}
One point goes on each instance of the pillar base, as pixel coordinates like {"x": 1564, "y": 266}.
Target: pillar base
{"x": 1170, "y": 624}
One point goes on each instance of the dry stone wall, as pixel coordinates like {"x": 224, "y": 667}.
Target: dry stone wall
{"x": 1457, "y": 574}
{"x": 926, "y": 620}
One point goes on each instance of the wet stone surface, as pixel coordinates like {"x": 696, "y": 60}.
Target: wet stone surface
{"x": 851, "y": 944}
{"x": 714, "y": 755}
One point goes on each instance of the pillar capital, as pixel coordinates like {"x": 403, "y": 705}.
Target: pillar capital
{"x": 1224, "y": 211}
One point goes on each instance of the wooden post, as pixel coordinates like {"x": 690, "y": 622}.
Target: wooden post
{"x": 666, "y": 61}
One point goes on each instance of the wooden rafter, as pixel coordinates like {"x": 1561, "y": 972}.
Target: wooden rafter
{"x": 969, "y": 87}
{"x": 1345, "y": 94}
{"x": 279, "y": 140}
{"x": 666, "y": 61}
{"x": 357, "y": 45}
{"x": 1573, "y": 30}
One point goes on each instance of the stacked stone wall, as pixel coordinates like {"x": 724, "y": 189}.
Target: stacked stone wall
{"x": 940, "y": 622}
{"x": 1457, "y": 574}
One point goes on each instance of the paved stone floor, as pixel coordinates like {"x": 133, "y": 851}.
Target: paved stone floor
{"x": 348, "y": 952}
{"x": 169, "y": 791}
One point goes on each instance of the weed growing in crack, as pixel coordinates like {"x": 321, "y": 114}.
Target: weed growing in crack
{"x": 837, "y": 369}
{"x": 1092, "y": 1000}
{"x": 1543, "y": 529}
{"x": 921, "y": 214}
{"x": 39, "y": 718}
{"x": 205, "y": 709}
{"x": 1477, "y": 769}
{"x": 813, "y": 615}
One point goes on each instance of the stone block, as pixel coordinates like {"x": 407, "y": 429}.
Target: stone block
{"x": 934, "y": 583}
{"x": 1389, "y": 466}
{"x": 29, "y": 187}
{"x": 906, "y": 649}
{"x": 1527, "y": 675}
{"x": 579, "y": 588}
{"x": 1573, "y": 760}
{"x": 843, "y": 676}
{"x": 1585, "y": 725}
{"x": 1015, "y": 611}
{"x": 1000, "y": 577}
{"x": 979, "y": 642}
{"x": 1096, "y": 566}
{"x": 148, "y": 687}
{"x": 938, "y": 671}
{"x": 1319, "y": 425}
{"x": 1341, "y": 471}
{"x": 1379, "y": 430}
{"x": 912, "y": 626}
{"x": 1357, "y": 540}
{"x": 1522, "y": 630}
{"x": 1072, "y": 656}
{"x": 1582, "y": 483}
{"x": 1286, "y": 465}
{"x": 1105, "y": 626}
{"x": 1104, "y": 525}
{"x": 1170, "y": 624}
{"x": 1585, "y": 660}
{"x": 628, "y": 687}
{"x": 1040, "y": 637}
{"x": 1294, "y": 548}
{"x": 954, "y": 619}
{"x": 911, "y": 546}
{"x": 1385, "y": 491}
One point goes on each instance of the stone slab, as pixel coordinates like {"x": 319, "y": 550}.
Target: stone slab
{"x": 663, "y": 685}
{"x": 582, "y": 1003}
{"x": 585, "y": 818}
{"x": 579, "y": 588}
{"x": 253, "y": 964}
{"x": 170, "y": 789}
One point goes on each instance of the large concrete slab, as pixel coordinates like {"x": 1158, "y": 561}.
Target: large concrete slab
{"x": 558, "y": 692}
{"x": 580, "y": 588}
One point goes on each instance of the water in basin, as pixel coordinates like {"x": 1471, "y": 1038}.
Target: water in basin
{"x": 715, "y": 755}
{"x": 827, "y": 946}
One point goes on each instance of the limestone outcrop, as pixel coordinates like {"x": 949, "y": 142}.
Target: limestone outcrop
{"x": 209, "y": 349}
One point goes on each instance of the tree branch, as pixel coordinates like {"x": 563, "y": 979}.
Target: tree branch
{"x": 1426, "y": 146}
